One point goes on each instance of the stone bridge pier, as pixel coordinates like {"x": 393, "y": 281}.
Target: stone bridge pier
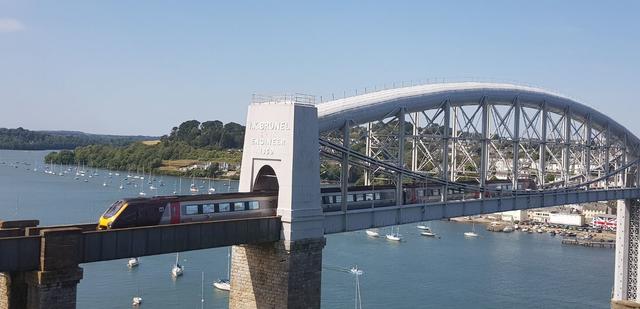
{"x": 281, "y": 153}
{"x": 53, "y": 285}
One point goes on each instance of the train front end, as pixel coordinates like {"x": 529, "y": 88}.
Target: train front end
{"x": 109, "y": 216}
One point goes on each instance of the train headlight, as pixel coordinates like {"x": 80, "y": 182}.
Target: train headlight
{"x": 109, "y": 224}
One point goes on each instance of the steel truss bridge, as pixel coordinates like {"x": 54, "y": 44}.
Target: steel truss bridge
{"x": 463, "y": 136}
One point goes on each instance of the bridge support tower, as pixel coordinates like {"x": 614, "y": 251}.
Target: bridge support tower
{"x": 626, "y": 288}
{"x": 53, "y": 286}
{"x": 281, "y": 153}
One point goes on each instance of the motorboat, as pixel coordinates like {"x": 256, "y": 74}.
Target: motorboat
{"x": 133, "y": 262}
{"x": 222, "y": 284}
{"x": 428, "y": 233}
{"x": 372, "y": 233}
{"x": 137, "y": 301}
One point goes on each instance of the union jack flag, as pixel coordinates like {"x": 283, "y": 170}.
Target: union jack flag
{"x": 606, "y": 223}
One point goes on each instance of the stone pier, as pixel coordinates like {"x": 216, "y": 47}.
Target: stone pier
{"x": 272, "y": 276}
{"x": 53, "y": 285}
{"x": 281, "y": 154}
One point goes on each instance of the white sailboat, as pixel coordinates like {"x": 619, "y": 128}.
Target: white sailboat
{"x": 473, "y": 231}
{"x": 177, "y": 269}
{"x": 422, "y": 227}
{"x": 225, "y": 284}
{"x": 211, "y": 189}
{"x": 395, "y": 236}
{"x": 193, "y": 188}
{"x": 358, "y": 297}
{"x": 202, "y": 291}
{"x": 142, "y": 193}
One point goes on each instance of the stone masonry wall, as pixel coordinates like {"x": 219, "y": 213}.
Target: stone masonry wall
{"x": 270, "y": 276}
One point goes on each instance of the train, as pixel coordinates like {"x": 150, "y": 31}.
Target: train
{"x": 159, "y": 210}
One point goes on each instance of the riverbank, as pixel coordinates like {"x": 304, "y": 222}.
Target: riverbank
{"x": 583, "y": 236}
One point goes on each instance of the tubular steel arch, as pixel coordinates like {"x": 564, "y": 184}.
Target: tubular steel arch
{"x": 481, "y": 131}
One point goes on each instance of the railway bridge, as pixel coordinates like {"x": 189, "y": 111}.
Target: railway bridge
{"x": 421, "y": 153}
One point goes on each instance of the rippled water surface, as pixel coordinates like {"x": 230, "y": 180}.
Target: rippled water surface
{"x": 495, "y": 270}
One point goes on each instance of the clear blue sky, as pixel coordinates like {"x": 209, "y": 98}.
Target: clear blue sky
{"x": 142, "y": 67}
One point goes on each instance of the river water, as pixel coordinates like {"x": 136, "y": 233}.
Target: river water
{"x": 496, "y": 270}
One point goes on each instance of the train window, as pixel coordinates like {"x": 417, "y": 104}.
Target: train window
{"x": 224, "y": 207}
{"x": 350, "y": 198}
{"x": 253, "y": 205}
{"x": 368, "y": 197}
{"x": 377, "y": 196}
{"x": 113, "y": 209}
{"x": 191, "y": 210}
{"x": 326, "y": 200}
{"x": 238, "y": 206}
{"x": 420, "y": 192}
{"x": 208, "y": 208}
{"x": 338, "y": 198}
{"x": 359, "y": 197}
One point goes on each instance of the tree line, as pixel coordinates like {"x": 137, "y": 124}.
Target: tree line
{"x": 23, "y": 139}
{"x": 192, "y": 140}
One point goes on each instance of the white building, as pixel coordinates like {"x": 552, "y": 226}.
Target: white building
{"x": 566, "y": 219}
{"x": 515, "y": 215}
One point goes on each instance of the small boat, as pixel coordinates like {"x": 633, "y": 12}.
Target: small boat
{"x": 472, "y": 233}
{"x": 540, "y": 230}
{"x": 104, "y": 184}
{"x": 177, "y": 269}
{"x": 142, "y": 194}
{"x": 137, "y": 301}
{"x": 524, "y": 229}
{"x": 427, "y": 232}
{"x": 422, "y": 227}
{"x": 395, "y": 236}
{"x": 225, "y": 284}
{"x": 507, "y": 229}
{"x": 152, "y": 187}
{"x": 211, "y": 189}
{"x": 133, "y": 262}
{"x": 372, "y": 233}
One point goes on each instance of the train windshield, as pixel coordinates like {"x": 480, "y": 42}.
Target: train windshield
{"x": 113, "y": 209}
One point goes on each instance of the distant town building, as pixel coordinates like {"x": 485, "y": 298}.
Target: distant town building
{"x": 566, "y": 219}
{"x": 515, "y": 215}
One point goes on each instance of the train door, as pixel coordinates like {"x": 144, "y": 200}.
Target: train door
{"x": 175, "y": 212}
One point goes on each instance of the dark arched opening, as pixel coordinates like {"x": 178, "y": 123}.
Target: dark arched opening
{"x": 266, "y": 180}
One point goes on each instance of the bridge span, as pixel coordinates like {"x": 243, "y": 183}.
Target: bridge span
{"x": 402, "y": 155}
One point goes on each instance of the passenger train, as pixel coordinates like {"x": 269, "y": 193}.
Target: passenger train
{"x": 193, "y": 208}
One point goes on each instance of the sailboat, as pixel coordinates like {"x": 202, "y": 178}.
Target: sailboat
{"x": 211, "y": 189}
{"x": 358, "y": 297}
{"x": 395, "y": 236}
{"x": 225, "y": 284}
{"x": 473, "y": 231}
{"x": 142, "y": 186}
{"x": 177, "y": 269}
{"x": 422, "y": 227}
{"x": 193, "y": 187}
{"x": 202, "y": 292}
